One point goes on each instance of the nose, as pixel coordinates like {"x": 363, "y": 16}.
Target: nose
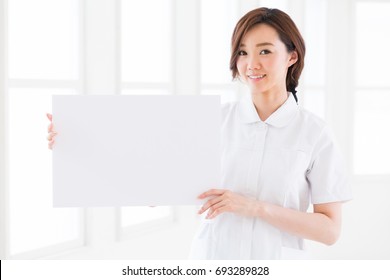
{"x": 253, "y": 64}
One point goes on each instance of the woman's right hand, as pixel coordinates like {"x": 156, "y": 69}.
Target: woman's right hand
{"x": 51, "y": 133}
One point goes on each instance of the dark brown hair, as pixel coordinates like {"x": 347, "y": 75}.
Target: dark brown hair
{"x": 288, "y": 34}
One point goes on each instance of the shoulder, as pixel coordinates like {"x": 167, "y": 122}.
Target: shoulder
{"x": 312, "y": 131}
{"x": 313, "y": 126}
{"x": 311, "y": 121}
{"x": 321, "y": 136}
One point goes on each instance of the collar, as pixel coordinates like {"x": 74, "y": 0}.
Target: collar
{"x": 281, "y": 117}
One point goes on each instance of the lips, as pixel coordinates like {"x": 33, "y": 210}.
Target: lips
{"x": 256, "y": 76}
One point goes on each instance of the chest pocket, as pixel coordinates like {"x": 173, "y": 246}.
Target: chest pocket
{"x": 281, "y": 171}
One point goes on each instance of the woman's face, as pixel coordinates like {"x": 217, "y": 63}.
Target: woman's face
{"x": 264, "y": 60}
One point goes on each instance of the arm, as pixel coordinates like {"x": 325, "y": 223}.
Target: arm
{"x": 323, "y": 225}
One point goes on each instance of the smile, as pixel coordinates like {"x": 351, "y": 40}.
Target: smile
{"x": 256, "y": 77}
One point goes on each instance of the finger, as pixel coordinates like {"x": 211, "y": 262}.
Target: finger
{"x": 217, "y": 209}
{"x": 50, "y": 145}
{"x": 51, "y": 136}
{"x": 50, "y": 127}
{"x": 211, "y": 192}
{"x": 209, "y": 204}
{"x": 49, "y": 116}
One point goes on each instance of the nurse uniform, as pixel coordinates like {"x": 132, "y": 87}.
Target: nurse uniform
{"x": 290, "y": 160}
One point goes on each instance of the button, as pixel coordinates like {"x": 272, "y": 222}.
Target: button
{"x": 261, "y": 126}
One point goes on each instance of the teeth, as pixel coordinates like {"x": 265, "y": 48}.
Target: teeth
{"x": 256, "y": 77}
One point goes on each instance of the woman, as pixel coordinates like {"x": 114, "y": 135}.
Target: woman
{"x": 276, "y": 157}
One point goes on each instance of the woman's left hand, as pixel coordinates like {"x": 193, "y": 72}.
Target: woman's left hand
{"x": 223, "y": 200}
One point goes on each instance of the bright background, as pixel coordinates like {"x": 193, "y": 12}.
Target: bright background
{"x": 52, "y": 47}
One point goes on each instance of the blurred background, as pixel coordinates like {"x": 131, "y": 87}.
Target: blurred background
{"x": 50, "y": 47}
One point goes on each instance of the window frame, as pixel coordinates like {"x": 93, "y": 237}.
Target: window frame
{"x": 92, "y": 221}
{"x": 7, "y": 84}
{"x": 355, "y": 88}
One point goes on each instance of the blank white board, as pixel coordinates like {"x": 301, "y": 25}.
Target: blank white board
{"x": 134, "y": 150}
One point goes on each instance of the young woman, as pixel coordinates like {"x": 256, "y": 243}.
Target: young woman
{"x": 277, "y": 158}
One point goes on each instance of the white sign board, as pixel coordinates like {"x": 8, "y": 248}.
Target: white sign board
{"x": 135, "y": 150}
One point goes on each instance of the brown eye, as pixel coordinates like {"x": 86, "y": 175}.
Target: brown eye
{"x": 241, "y": 53}
{"x": 265, "y": 52}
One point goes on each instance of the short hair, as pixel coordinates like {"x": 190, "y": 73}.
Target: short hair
{"x": 288, "y": 34}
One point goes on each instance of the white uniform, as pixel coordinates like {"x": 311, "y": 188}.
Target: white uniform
{"x": 289, "y": 160}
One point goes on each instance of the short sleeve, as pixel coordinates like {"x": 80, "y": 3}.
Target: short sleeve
{"x": 327, "y": 175}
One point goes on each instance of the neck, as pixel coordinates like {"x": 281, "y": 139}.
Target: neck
{"x": 267, "y": 103}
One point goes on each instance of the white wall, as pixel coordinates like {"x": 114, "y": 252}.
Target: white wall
{"x": 366, "y": 227}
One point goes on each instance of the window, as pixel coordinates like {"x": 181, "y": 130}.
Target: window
{"x": 146, "y": 68}
{"x": 170, "y": 47}
{"x": 371, "y": 89}
{"x": 314, "y": 74}
{"x": 43, "y": 60}
{"x": 279, "y": 4}
{"x": 146, "y": 53}
{"x": 217, "y": 23}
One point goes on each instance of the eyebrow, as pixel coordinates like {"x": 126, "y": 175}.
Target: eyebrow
{"x": 259, "y": 44}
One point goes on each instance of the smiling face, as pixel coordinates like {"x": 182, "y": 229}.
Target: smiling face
{"x": 263, "y": 60}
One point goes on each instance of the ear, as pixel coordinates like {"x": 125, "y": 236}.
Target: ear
{"x": 293, "y": 58}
